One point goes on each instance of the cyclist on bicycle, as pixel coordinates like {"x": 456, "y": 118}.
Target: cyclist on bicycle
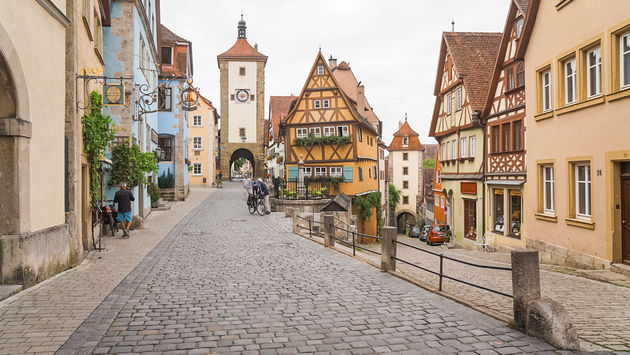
{"x": 124, "y": 198}
{"x": 265, "y": 192}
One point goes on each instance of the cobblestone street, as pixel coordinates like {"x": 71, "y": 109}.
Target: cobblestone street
{"x": 224, "y": 281}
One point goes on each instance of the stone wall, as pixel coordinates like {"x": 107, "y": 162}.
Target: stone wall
{"x": 558, "y": 255}
{"x": 302, "y": 206}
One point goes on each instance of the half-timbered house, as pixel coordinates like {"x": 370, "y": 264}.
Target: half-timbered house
{"x": 324, "y": 109}
{"x": 504, "y": 120}
{"x": 465, "y": 67}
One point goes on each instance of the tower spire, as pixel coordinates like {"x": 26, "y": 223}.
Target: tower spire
{"x": 242, "y": 28}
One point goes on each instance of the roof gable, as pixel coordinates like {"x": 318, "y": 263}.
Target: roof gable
{"x": 242, "y": 49}
{"x": 279, "y": 107}
{"x": 413, "y": 142}
{"x": 348, "y": 84}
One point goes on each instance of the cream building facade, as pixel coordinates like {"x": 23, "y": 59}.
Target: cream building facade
{"x": 578, "y": 146}
{"x": 34, "y": 229}
{"x": 202, "y": 130}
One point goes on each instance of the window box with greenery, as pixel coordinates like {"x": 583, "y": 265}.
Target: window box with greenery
{"x": 313, "y": 140}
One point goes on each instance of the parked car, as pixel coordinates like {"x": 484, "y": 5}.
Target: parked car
{"x": 425, "y": 233}
{"x": 437, "y": 233}
{"x": 414, "y": 232}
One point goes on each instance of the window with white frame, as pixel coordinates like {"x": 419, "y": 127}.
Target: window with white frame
{"x": 329, "y": 131}
{"x": 594, "y": 72}
{"x": 449, "y": 106}
{"x": 471, "y": 150}
{"x": 454, "y": 150}
{"x": 519, "y": 27}
{"x": 320, "y": 70}
{"x": 343, "y": 131}
{"x": 624, "y": 60}
{"x": 317, "y": 104}
{"x": 315, "y": 131}
{"x": 405, "y": 141}
{"x": 197, "y": 143}
{"x": 444, "y": 151}
{"x": 448, "y": 151}
{"x": 546, "y": 90}
{"x": 458, "y": 101}
{"x": 320, "y": 171}
{"x": 196, "y": 168}
{"x": 301, "y": 132}
{"x": 308, "y": 171}
{"x": 583, "y": 190}
{"x": 569, "y": 81}
{"x": 196, "y": 121}
{"x": 360, "y": 131}
{"x": 548, "y": 186}
{"x": 462, "y": 147}
{"x": 326, "y": 103}
{"x": 336, "y": 171}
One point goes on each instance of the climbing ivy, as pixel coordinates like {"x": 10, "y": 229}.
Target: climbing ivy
{"x": 365, "y": 204}
{"x": 130, "y": 164}
{"x": 98, "y": 131}
{"x": 394, "y": 198}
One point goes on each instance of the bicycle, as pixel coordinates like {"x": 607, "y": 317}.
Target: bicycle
{"x": 111, "y": 217}
{"x": 252, "y": 202}
{"x": 97, "y": 219}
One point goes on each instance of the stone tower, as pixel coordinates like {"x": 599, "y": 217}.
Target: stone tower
{"x": 242, "y": 104}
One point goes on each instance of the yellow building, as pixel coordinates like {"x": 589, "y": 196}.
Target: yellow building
{"x": 202, "y": 132}
{"x": 578, "y": 133}
{"x": 326, "y": 108}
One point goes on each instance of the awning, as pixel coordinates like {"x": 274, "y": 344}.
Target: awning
{"x": 505, "y": 182}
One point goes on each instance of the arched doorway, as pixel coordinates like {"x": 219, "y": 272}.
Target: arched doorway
{"x": 403, "y": 220}
{"x": 244, "y": 154}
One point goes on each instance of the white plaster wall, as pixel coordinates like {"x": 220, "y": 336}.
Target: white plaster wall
{"x": 242, "y": 115}
{"x": 412, "y": 177}
{"x": 42, "y": 56}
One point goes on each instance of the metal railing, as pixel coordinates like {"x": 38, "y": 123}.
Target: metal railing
{"x": 309, "y": 189}
{"x": 354, "y": 234}
{"x": 441, "y": 274}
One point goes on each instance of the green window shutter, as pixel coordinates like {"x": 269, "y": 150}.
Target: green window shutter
{"x": 293, "y": 173}
{"x": 347, "y": 174}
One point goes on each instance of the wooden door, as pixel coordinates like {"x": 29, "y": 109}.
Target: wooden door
{"x": 470, "y": 219}
{"x": 625, "y": 220}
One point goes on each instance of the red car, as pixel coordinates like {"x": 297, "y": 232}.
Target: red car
{"x": 437, "y": 233}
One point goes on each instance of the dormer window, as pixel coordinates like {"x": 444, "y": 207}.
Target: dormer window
{"x": 519, "y": 27}
{"x": 405, "y": 141}
{"x": 320, "y": 70}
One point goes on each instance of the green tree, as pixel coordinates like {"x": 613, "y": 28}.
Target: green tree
{"x": 238, "y": 163}
{"x": 130, "y": 164}
{"x": 98, "y": 131}
{"x": 365, "y": 206}
{"x": 394, "y": 198}
{"x": 428, "y": 163}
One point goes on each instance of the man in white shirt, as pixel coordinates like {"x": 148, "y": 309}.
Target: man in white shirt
{"x": 246, "y": 187}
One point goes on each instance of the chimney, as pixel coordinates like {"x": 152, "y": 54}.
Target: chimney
{"x": 332, "y": 62}
{"x": 256, "y": 46}
{"x": 399, "y": 124}
{"x": 361, "y": 99}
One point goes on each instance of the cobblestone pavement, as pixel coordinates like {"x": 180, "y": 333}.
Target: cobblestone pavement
{"x": 600, "y": 311}
{"x": 41, "y": 318}
{"x": 224, "y": 281}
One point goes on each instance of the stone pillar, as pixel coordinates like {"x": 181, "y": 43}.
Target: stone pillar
{"x": 296, "y": 228}
{"x": 329, "y": 230}
{"x": 525, "y": 283}
{"x": 388, "y": 249}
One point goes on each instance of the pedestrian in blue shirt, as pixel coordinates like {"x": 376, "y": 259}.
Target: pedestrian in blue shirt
{"x": 265, "y": 192}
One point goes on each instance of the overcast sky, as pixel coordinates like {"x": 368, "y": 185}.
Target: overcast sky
{"x": 391, "y": 45}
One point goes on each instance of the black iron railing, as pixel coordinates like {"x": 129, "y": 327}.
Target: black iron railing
{"x": 309, "y": 189}
{"x": 353, "y": 242}
{"x": 441, "y": 274}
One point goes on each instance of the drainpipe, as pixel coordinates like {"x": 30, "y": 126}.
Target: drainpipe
{"x": 476, "y": 119}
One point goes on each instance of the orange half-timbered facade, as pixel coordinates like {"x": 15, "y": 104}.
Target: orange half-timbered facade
{"x": 504, "y": 118}
{"x": 324, "y": 109}
{"x": 464, "y": 74}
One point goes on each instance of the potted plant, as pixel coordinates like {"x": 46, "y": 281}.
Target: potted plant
{"x": 155, "y": 196}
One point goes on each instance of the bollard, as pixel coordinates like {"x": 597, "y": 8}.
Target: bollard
{"x": 388, "y": 249}
{"x": 329, "y": 230}
{"x": 525, "y": 283}
{"x": 296, "y": 229}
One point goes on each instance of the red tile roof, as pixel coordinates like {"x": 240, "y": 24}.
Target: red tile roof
{"x": 241, "y": 49}
{"x": 348, "y": 83}
{"x": 278, "y": 109}
{"x": 167, "y": 36}
{"x": 474, "y": 55}
{"x": 405, "y": 131}
{"x": 523, "y": 5}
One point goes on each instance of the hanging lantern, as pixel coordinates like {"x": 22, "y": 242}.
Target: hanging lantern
{"x": 190, "y": 96}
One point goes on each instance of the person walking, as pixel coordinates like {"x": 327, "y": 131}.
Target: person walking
{"x": 246, "y": 186}
{"x": 124, "y": 197}
{"x": 265, "y": 192}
